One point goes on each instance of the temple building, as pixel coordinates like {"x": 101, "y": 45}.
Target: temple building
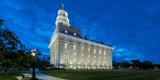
{"x": 68, "y": 48}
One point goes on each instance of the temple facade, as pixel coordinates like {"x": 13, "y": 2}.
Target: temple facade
{"x": 69, "y": 50}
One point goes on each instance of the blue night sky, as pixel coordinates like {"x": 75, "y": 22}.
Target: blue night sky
{"x": 131, "y": 26}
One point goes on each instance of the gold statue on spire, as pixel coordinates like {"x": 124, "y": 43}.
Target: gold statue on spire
{"x": 62, "y": 6}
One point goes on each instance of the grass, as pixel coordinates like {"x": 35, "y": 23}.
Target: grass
{"x": 108, "y": 75}
{"x": 9, "y": 76}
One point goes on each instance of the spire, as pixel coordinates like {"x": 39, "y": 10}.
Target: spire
{"x": 62, "y": 6}
{"x": 62, "y": 17}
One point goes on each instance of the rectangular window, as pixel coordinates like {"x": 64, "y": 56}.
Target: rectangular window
{"x": 74, "y": 34}
{"x": 66, "y": 31}
{"x": 66, "y": 53}
{"x": 104, "y": 52}
{"x": 89, "y": 50}
{"x": 94, "y": 56}
{"x": 82, "y": 61}
{"x": 88, "y": 61}
{"x": 104, "y": 63}
{"x": 99, "y": 62}
{"x": 94, "y": 62}
{"x": 100, "y": 52}
{"x": 65, "y": 45}
{"x": 82, "y": 49}
{"x": 65, "y": 61}
{"x": 74, "y": 61}
{"x": 82, "y": 55}
{"x": 88, "y": 55}
{"x": 74, "y": 47}
{"x": 104, "y": 57}
{"x": 94, "y": 51}
{"x": 99, "y": 57}
{"x": 74, "y": 54}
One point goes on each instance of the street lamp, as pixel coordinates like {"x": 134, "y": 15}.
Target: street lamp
{"x": 34, "y": 64}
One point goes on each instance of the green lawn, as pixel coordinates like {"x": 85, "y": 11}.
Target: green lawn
{"x": 9, "y": 76}
{"x": 108, "y": 75}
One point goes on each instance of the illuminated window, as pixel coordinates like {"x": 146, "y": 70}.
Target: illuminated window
{"x": 74, "y": 54}
{"x": 66, "y": 31}
{"x": 104, "y": 63}
{"x": 88, "y": 55}
{"x": 74, "y": 61}
{"x": 74, "y": 34}
{"x": 104, "y": 52}
{"x": 94, "y": 62}
{"x": 94, "y": 51}
{"x": 88, "y": 61}
{"x": 89, "y": 67}
{"x": 81, "y": 61}
{"x": 99, "y": 57}
{"x": 65, "y": 61}
{"x": 94, "y": 56}
{"x": 74, "y": 47}
{"x": 65, "y": 45}
{"x": 99, "y": 52}
{"x": 104, "y": 57}
{"x": 99, "y": 62}
{"x": 82, "y": 49}
{"x": 109, "y": 64}
{"x": 82, "y": 55}
{"x": 89, "y": 50}
{"x": 74, "y": 67}
{"x": 66, "y": 53}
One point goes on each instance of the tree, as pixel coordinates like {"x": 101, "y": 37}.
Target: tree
{"x": 115, "y": 65}
{"x": 10, "y": 48}
{"x": 147, "y": 65}
{"x": 124, "y": 65}
{"x": 136, "y": 63}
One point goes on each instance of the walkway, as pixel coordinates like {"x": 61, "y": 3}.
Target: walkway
{"x": 41, "y": 76}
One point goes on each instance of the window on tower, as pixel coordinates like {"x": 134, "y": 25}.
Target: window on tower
{"x": 74, "y": 34}
{"x": 66, "y": 31}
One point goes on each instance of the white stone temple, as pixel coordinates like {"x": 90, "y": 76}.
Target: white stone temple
{"x": 70, "y": 50}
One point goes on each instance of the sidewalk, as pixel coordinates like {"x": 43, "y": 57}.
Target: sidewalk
{"x": 41, "y": 76}
{"x": 46, "y": 77}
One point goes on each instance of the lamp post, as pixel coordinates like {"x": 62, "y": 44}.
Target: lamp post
{"x": 34, "y": 65}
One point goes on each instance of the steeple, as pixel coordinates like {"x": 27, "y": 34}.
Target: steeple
{"x": 62, "y": 17}
{"x": 62, "y": 6}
